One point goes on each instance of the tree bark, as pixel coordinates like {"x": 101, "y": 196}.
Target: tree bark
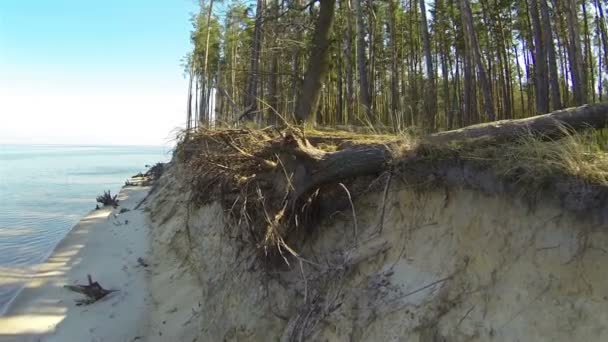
{"x": 577, "y": 64}
{"x": 189, "y": 102}
{"x": 556, "y": 100}
{"x": 350, "y": 97}
{"x": 548, "y": 125}
{"x": 603, "y": 33}
{"x": 473, "y": 46}
{"x": 541, "y": 79}
{"x": 429, "y": 86}
{"x": 251, "y": 92}
{"x": 273, "y": 96}
{"x": 317, "y": 62}
{"x": 363, "y": 81}
{"x": 588, "y": 55}
{"x": 394, "y": 77}
{"x": 204, "y": 115}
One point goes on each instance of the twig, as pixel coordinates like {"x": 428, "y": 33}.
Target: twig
{"x": 268, "y": 163}
{"x": 388, "y": 183}
{"x": 352, "y": 206}
{"x": 305, "y": 282}
{"x": 426, "y": 286}
{"x": 465, "y": 316}
{"x": 287, "y": 177}
{"x": 142, "y": 201}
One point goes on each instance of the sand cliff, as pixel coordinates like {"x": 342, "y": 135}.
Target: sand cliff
{"x": 443, "y": 265}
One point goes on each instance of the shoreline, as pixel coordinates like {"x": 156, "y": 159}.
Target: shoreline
{"x": 106, "y": 245}
{"x": 33, "y": 268}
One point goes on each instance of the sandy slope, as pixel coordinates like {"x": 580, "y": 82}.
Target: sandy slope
{"x": 104, "y": 245}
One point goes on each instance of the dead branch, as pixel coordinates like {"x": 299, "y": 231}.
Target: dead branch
{"x": 352, "y": 207}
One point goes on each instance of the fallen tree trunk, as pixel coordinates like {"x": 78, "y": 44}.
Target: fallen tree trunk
{"x": 315, "y": 167}
{"x": 552, "y": 125}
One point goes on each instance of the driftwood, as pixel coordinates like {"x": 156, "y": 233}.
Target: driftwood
{"x": 552, "y": 125}
{"x": 93, "y": 291}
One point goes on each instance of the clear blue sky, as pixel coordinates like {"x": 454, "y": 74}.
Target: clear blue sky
{"x": 92, "y": 72}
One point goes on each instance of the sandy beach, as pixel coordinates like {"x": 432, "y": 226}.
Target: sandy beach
{"x": 105, "y": 244}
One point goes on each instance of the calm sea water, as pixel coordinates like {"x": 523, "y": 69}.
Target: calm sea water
{"x": 45, "y": 190}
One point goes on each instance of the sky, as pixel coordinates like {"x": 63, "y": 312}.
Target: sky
{"x": 93, "y": 72}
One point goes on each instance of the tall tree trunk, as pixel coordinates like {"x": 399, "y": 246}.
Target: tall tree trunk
{"x": 251, "y": 92}
{"x": 588, "y": 54}
{"x": 470, "y": 94}
{"x": 204, "y": 114}
{"x": 340, "y": 91}
{"x": 317, "y": 62}
{"x": 203, "y": 104}
{"x": 429, "y": 86}
{"x": 472, "y": 45}
{"x": 394, "y": 68}
{"x": 196, "y": 101}
{"x": 603, "y": 32}
{"x": 189, "y": 102}
{"x": 363, "y": 81}
{"x": 556, "y": 100}
{"x": 273, "y": 96}
{"x": 372, "y": 60}
{"x": 577, "y": 64}
{"x": 519, "y": 77}
{"x": 541, "y": 79}
{"x": 350, "y": 96}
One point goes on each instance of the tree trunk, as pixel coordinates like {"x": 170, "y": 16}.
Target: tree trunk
{"x": 541, "y": 80}
{"x": 394, "y": 68}
{"x": 577, "y": 64}
{"x": 189, "y": 103}
{"x": 429, "y": 86}
{"x": 588, "y": 54}
{"x": 315, "y": 167}
{"x": 371, "y": 62}
{"x": 547, "y": 126}
{"x": 317, "y": 63}
{"x": 196, "y": 101}
{"x": 350, "y": 96}
{"x": 556, "y": 100}
{"x": 205, "y": 115}
{"x": 273, "y": 96}
{"x": 603, "y": 33}
{"x": 472, "y": 45}
{"x": 363, "y": 81}
{"x": 251, "y": 92}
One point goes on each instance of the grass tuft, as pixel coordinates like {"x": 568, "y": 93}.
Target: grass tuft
{"x": 534, "y": 161}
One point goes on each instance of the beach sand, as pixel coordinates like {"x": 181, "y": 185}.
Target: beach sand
{"x": 105, "y": 244}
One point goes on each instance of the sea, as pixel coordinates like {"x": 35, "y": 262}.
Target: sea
{"x": 46, "y": 189}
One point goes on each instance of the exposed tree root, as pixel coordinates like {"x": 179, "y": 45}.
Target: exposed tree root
{"x": 93, "y": 291}
{"x": 276, "y": 186}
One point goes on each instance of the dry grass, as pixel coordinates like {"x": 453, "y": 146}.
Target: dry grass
{"x": 532, "y": 160}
